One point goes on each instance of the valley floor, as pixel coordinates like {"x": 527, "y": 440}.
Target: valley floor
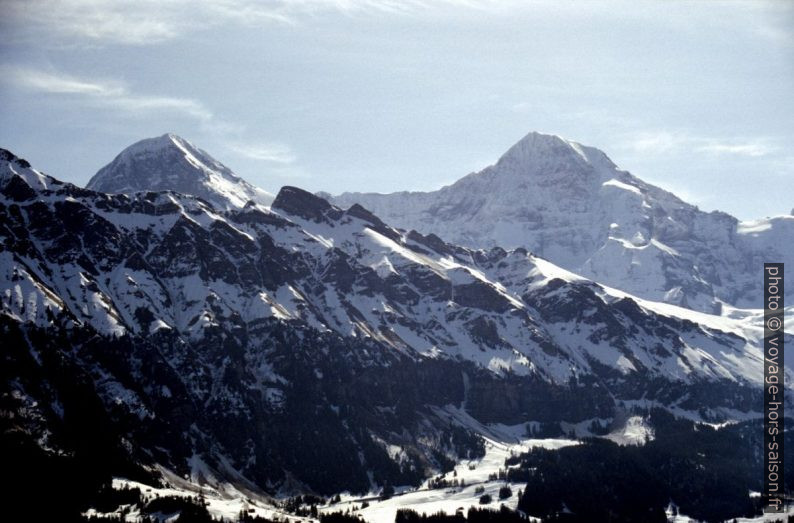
{"x": 463, "y": 486}
{"x": 475, "y": 474}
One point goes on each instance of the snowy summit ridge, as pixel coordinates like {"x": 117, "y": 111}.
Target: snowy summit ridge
{"x": 570, "y": 204}
{"x": 171, "y": 163}
{"x": 538, "y": 151}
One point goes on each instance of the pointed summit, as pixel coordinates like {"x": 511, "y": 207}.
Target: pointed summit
{"x": 539, "y": 152}
{"x": 171, "y": 163}
{"x": 14, "y": 169}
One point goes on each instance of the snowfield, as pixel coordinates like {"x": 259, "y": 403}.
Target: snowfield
{"x": 474, "y": 473}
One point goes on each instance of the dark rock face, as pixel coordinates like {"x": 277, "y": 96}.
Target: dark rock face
{"x": 296, "y": 349}
{"x": 304, "y": 204}
{"x": 8, "y": 156}
{"x": 513, "y": 401}
{"x": 481, "y": 296}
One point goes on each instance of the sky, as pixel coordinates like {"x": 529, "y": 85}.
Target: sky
{"x": 369, "y": 95}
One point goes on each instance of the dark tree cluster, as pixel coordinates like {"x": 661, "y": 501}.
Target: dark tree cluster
{"x": 474, "y": 515}
{"x": 109, "y": 499}
{"x": 190, "y": 509}
{"x": 442, "y": 481}
{"x": 599, "y": 428}
{"x": 84, "y": 444}
{"x": 245, "y": 517}
{"x": 340, "y": 517}
{"x": 465, "y": 443}
{"x": 706, "y": 472}
{"x": 306, "y": 505}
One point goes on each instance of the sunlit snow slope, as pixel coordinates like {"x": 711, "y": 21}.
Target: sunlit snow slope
{"x": 171, "y": 163}
{"x": 572, "y": 205}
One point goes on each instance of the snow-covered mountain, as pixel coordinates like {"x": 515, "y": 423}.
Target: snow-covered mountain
{"x": 171, "y": 163}
{"x": 314, "y": 348}
{"x": 570, "y": 204}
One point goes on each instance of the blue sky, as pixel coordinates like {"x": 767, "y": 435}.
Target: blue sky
{"x": 341, "y": 95}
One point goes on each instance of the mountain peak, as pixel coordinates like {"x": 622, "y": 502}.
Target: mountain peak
{"x": 539, "y": 151}
{"x": 8, "y": 156}
{"x": 15, "y": 170}
{"x": 173, "y": 148}
{"x": 570, "y": 204}
{"x": 171, "y": 163}
{"x": 162, "y": 140}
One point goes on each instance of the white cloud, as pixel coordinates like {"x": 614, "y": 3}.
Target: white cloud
{"x": 142, "y": 22}
{"x": 146, "y": 22}
{"x": 664, "y": 142}
{"x": 54, "y": 83}
{"x": 658, "y": 142}
{"x": 185, "y": 106}
{"x": 106, "y": 93}
{"x": 267, "y": 152}
{"x": 115, "y": 95}
{"x": 741, "y": 149}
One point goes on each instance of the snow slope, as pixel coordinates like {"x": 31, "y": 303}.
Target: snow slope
{"x": 572, "y": 205}
{"x": 171, "y": 163}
